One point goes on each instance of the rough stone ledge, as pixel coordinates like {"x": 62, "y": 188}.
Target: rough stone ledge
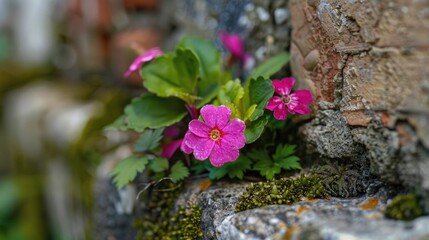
{"x": 358, "y": 218}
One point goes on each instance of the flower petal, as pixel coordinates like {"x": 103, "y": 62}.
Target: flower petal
{"x": 233, "y": 133}
{"x": 301, "y": 109}
{"x": 235, "y": 126}
{"x": 199, "y": 128}
{"x": 280, "y": 112}
{"x": 233, "y": 43}
{"x": 127, "y": 73}
{"x": 170, "y": 148}
{"x": 283, "y": 86}
{"x": 191, "y": 140}
{"x": 304, "y": 96}
{"x": 151, "y": 54}
{"x": 292, "y": 105}
{"x": 203, "y": 149}
{"x": 273, "y": 103}
{"x": 148, "y": 56}
{"x": 223, "y": 153}
{"x": 216, "y": 116}
{"x": 236, "y": 140}
{"x": 184, "y": 147}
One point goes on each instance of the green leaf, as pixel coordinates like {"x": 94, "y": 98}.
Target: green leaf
{"x": 205, "y": 95}
{"x": 118, "y": 124}
{"x": 217, "y": 173}
{"x": 158, "y": 164}
{"x": 199, "y": 166}
{"x": 173, "y": 75}
{"x": 270, "y": 66}
{"x": 260, "y": 92}
{"x": 263, "y": 163}
{"x": 258, "y": 155}
{"x": 249, "y": 112}
{"x": 237, "y": 168}
{"x": 254, "y": 129}
{"x": 187, "y": 67}
{"x": 283, "y": 151}
{"x": 126, "y": 170}
{"x": 284, "y": 157}
{"x": 211, "y": 68}
{"x": 210, "y": 60}
{"x": 231, "y": 94}
{"x": 234, "y": 169}
{"x": 178, "y": 172}
{"x": 149, "y": 140}
{"x": 267, "y": 168}
{"x": 290, "y": 163}
{"x": 151, "y": 111}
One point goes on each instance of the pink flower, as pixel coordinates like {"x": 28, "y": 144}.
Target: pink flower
{"x": 172, "y": 131}
{"x": 217, "y": 138}
{"x": 235, "y": 46}
{"x": 148, "y": 56}
{"x": 170, "y": 148}
{"x": 294, "y": 103}
{"x": 233, "y": 43}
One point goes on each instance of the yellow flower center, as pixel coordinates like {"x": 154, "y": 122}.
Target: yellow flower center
{"x": 215, "y": 134}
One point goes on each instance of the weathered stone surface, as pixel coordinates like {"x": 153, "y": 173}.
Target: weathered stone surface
{"x": 357, "y": 48}
{"x": 330, "y": 135}
{"x": 350, "y": 55}
{"x": 359, "y": 218}
{"x": 113, "y": 209}
{"x": 382, "y": 146}
{"x": 217, "y": 203}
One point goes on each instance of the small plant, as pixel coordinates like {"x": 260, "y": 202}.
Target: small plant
{"x": 193, "y": 104}
{"x": 340, "y": 180}
{"x": 404, "y": 207}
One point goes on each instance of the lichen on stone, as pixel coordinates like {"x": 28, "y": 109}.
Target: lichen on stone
{"x": 161, "y": 221}
{"x": 404, "y": 207}
{"x": 281, "y": 191}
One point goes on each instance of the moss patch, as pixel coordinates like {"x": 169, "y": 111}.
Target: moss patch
{"x": 404, "y": 207}
{"x": 281, "y": 191}
{"x": 160, "y": 221}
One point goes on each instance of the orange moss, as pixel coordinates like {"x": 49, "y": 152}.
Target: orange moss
{"x": 310, "y": 200}
{"x": 370, "y": 204}
{"x": 301, "y": 210}
{"x": 204, "y": 184}
{"x": 290, "y": 231}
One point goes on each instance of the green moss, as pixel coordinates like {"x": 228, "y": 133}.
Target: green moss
{"x": 404, "y": 207}
{"x": 340, "y": 180}
{"x": 282, "y": 191}
{"x": 161, "y": 221}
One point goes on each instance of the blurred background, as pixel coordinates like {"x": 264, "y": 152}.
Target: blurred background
{"x": 61, "y": 66}
{"x": 61, "y": 83}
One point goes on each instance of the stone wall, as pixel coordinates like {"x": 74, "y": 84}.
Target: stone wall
{"x": 366, "y": 63}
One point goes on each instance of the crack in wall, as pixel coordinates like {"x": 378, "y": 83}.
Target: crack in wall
{"x": 339, "y": 80}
